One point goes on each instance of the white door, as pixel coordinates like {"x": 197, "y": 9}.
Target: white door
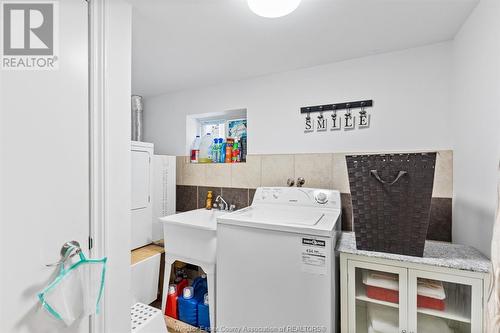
{"x": 444, "y": 302}
{"x": 371, "y": 308}
{"x": 142, "y": 223}
{"x": 44, "y": 173}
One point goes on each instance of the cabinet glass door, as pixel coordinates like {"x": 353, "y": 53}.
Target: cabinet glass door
{"x": 377, "y": 298}
{"x": 443, "y": 303}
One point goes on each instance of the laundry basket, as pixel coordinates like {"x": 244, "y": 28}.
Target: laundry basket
{"x": 391, "y": 199}
{"x": 146, "y": 319}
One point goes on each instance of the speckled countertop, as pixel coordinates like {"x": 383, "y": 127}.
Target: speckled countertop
{"x": 435, "y": 253}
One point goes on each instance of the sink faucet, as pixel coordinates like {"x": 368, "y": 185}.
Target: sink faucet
{"x": 221, "y": 202}
{"x": 223, "y": 205}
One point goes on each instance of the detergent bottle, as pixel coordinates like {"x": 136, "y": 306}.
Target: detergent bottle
{"x": 200, "y": 286}
{"x": 188, "y": 307}
{"x": 204, "y": 314}
{"x": 215, "y": 151}
{"x": 222, "y": 153}
{"x": 205, "y": 155}
{"x": 171, "y": 306}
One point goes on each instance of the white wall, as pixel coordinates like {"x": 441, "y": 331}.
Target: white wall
{"x": 118, "y": 84}
{"x": 410, "y": 90}
{"x": 476, "y": 126}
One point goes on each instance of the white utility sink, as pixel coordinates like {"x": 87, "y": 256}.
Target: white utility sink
{"x": 192, "y": 235}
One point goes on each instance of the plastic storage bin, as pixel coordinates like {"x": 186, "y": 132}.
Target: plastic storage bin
{"x": 146, "y": 319}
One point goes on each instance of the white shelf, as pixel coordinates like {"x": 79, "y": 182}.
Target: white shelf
{"x": 364, "y": 298}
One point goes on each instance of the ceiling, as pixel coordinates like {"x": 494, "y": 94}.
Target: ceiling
{"x": 181, "y": 44}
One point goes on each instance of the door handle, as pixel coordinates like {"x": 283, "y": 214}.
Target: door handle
{"x": 65, "y": 255}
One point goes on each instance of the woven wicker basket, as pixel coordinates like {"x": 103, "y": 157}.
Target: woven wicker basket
{"x": 391, "y": 199}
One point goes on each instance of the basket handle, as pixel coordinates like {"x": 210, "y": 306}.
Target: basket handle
{"x": 375, "y": 174}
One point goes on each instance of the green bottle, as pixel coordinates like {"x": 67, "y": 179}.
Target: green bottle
{"x": 236, "y": 152}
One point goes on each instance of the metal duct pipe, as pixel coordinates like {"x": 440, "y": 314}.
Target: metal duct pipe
{"x": 137, "y": 108}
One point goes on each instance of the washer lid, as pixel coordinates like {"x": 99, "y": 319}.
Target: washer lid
{"x": 285, "y": 218}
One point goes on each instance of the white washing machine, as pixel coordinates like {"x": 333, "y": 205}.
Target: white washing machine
{"x": 276, "y": 265}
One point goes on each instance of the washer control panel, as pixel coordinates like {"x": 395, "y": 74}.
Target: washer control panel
{"x": 270, "y": 193}
{"x": 298, "y": 196}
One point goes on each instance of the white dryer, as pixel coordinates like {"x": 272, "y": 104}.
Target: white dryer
{"x": 141, "y": 210}
{"x": 276, "y": 266}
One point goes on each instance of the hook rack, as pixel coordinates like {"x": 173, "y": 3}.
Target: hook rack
{"x": 337, "y": 106}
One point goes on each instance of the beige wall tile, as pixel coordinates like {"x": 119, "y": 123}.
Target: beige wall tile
{"x": 218, "y": 174}
{"x": 340, "y": 176}
{"x": 248, "y": 174}
{"x": 180, "y": 160}
{"x": 319, "y": 170}
{"x": 443, "y": 176}
{"x": 193, "y": 174}
{"x": 316, "y": 169}
{"x": 276, "y": 169}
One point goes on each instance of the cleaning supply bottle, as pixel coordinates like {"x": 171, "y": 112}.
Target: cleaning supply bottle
{"x": 208, "y": 200}
{"x": 236, "y": 152}
{"x": 215, "y": 151}
{"x": 229, "y": 150}
{"x": 243, "y": 148}
{"x": 188, "y": 307}
{"x": 195, "y": 149}
{"x": 200, "y": 287}
{"x": 219, "y": 148}
{"x": 205, "y": 155}
{"x": 222, "y": 147}
{"x": 171, "y": 305}
{"x": 204, "y": 314}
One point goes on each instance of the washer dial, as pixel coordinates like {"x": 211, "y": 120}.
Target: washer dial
{"x": 321, "y": 198}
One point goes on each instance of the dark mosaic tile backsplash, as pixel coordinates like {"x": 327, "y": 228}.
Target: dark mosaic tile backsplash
{"x": 193, "y": 197}
{"x": 439, "y": 224}
{"x": 186, "y": 198}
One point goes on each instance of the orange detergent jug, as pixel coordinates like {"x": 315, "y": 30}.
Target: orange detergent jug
{"x": 171, "y": 305}
{"x": 172, "y": 295}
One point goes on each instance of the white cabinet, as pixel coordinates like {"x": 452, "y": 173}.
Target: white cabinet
{"x": 141, "y": 210}
{"x": 399, "y": 299}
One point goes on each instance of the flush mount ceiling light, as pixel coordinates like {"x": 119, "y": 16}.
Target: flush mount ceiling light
{"x": 273, "y": 8}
